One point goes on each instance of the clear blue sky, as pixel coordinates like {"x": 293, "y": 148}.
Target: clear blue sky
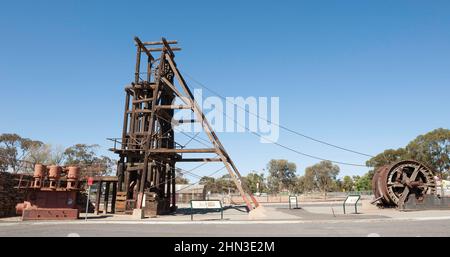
{"x": 367, "y": 75}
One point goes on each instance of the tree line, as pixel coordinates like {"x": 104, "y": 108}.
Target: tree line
{"x": 19, "y": 154}
{"x": 432, "y": 149}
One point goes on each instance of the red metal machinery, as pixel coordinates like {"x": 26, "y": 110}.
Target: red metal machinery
{"x": 407, "y": 185}
{"x": 51, "y": 196}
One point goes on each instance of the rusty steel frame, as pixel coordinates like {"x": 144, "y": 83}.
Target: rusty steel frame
{"x": 148, "y": 151}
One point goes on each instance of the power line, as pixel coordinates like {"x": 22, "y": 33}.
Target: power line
{"x": 286, "y": 147}
{"x": 279, "y": 125}
{"x": 210, "y": 175}
{"x": 179, "y": 169}
{"x": 190, "y": 140}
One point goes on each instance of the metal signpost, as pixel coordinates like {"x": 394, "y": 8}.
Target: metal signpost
{"x": 90, "y": 183}
{"x": 293, "y": 201}
{"x": 352, "y": 200}
{"x": 206, "y": 204}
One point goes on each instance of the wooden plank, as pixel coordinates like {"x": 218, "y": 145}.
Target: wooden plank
{"x": 141, "y": 85}
{"x": 175, "y": 90}
{"x": 167, "y": 46}
{"x": 98, "y": 197}
{"x": 168, "y": 150}
{"x": 186, "y": 121}
{"x": 173, "y": 107}
{"x": 105, "y": 178}
{"x": 140, "y": 111}
{"x": 142, "y": 100}
{"x": 106, "y": 199}
{"x": 170, "y": 42}
{"x": 140, "y": 167}
{"x": 114, "y": 198}
{"x": 200, "y": 160}
{"x": 142, "y": 47}
{"x": 160, "y": 49}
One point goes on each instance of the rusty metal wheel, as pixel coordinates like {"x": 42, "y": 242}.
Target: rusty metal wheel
{"x": 393, "y": 184}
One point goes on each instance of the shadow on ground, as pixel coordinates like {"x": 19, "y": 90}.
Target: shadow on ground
{"x": 188, "y": 211}
{"x": 307, "y": 215}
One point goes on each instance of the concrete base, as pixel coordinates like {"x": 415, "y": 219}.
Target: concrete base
{"x": 138, "y": 214}
{"x": 257, "y": 213}
{"x": 368, "y": 207}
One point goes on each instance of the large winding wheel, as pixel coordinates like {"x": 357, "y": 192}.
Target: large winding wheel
{"x": 393, "y": 184}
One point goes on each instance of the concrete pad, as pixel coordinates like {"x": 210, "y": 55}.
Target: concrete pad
{"x": 257, "y": 213}
{"x": 138, "y": 214}
{"x": 368, "y": 207}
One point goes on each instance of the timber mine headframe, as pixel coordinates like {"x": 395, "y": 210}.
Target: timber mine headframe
{"x": 148, "y": 150}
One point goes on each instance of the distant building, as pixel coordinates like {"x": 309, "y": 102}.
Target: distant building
{"x": 184, "y": 192}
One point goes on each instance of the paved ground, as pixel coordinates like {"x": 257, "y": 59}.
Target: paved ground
{"x": 311, "y": 219}
{"x": 344, "y": 228}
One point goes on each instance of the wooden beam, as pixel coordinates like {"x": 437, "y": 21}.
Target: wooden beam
{"x": 167, "y": 46}
{"x": 141, "y": 85}
{"x": 142, "y": 47}
{"x": 160, "y": 49}
{"x": 200, "y": 160}
{"x": 106, "y": 200}
{"x": 175, "y": 90}
{"x": 168, "y": 150}
{"x": 105, "y": 178}
{"x": 179, "y": 107}
{"x": 139, "y": 111}
{"x": 98, "y": 197}
{"x": 113, "y": 200}
{"x": 171, "y": 42}
{"x": 186, "y": 121}
{"x": 140, "y": 167}
{"x": 142, "y": 100}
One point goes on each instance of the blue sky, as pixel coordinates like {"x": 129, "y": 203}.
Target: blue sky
{"x": 366, "y": 75}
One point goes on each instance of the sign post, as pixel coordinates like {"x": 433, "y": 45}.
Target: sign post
{"x": 206, "y": 204}
{"x": 293, "y": 202}
{"x": 352, "y": 200}
{"x": 90, "y": 183}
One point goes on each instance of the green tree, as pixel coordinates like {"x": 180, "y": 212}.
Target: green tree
{"x": 337, "y": 185}
{"x": 387, "y": 157}
{"x": 307, "y": 182}
{"x": 81, "y": 154}
{"x": 209, "y": 183}
{"x": 299, "y": 186}
{"x": 14, "y": 149}
{"x": 253, "y": 180}
{"x": 226, "y": 184}
{"x": 179, "y": 178}
{"x": 91, "y": 164}
{"x": 363, "y": 183}
{"x": 347, "y": 183}
{"x": 46, "y": 154}
{"x": 281, "y": 175}
{"x": 322, "y": 175}
{"x": 432, "y": 149}
{"x": 39, "y": 154}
